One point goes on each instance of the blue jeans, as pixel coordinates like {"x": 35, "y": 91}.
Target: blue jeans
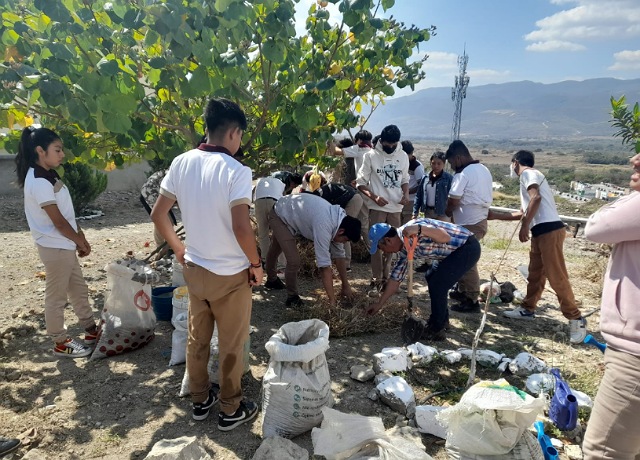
{"x": 449, "y": 271}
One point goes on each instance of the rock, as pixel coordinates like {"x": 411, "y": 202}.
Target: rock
{"x": 573, "y": 451}
{"x": 35, "y": 454}
{"x": 183, "y": 448}
{"x": 396, "y": 393}
{"x": 281, "y": 449}
{"x": 362, "y": 373}
{"x": 559, "y": 445}
{"x": 373, "y": 395}
{"x": 381, "y": 377}
{"x": 502, "y": 367}
{"x": 12, "y": 375}
{"x": 427, "y": 422}
{"x": 451, "y": 356}
{"x": 392, "y": 359}
{"x": 526, "y": 364}
{"x": 421, "y": 354}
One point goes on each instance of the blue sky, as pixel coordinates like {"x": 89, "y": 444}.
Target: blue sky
{"x": 544, "y": 41}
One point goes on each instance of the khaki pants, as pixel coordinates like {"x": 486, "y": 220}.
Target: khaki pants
{"x": 64, "y": 282}
{"x": 546, "y": 261}
{"x": 282, "y": 240}
{"x": 226, "y": 302}
{"x": 263, "y": 207}
{"x": 363, "y": 217}
{"x": 612, "y": 432}
{"x": 407, "y": 212}
{"x": 353, "y": 209}
{"x": 469, "y": 284}
{"x": 380, "y": 261}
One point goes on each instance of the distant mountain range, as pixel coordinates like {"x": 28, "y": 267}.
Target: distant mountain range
{"x": 517, "y": 110}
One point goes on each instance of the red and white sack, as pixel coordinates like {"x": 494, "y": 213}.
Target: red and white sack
{"x": 128, "y": 321}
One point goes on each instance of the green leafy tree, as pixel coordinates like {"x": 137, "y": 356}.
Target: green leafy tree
{"x": 627, "y": 121}
{"x": 128, "y": 79}
{"x": 85, "y": 184}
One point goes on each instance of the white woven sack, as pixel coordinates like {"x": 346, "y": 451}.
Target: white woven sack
{"x": 297, "y": 384}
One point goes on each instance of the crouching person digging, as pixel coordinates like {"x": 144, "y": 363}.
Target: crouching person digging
{"x": 327, "y": 225}
{"x": 456, "y": 249}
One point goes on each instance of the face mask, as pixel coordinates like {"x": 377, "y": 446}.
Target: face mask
{"x": 512, "y": 173}
{"x": 388, "y": 149}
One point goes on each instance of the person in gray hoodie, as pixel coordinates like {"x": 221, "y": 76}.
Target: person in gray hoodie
{"x": 384, "y": 179}
{"x": 612, "y": 429}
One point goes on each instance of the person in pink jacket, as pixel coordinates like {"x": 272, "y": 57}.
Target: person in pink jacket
{"x": 612, "y": 432}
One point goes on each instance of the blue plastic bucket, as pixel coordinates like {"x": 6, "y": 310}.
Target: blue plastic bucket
{"x": 161, "y": 301}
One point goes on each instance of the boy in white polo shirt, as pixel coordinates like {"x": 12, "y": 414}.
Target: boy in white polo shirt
{"x": 220, "y": 257}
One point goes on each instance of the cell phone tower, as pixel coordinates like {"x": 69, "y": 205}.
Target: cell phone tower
{"x": 458, "y": 93}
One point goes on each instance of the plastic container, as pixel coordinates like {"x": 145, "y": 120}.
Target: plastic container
{"x": 161, "y": 301}
{"x": 180, "y": 301}
{"x": 177, "y": 272}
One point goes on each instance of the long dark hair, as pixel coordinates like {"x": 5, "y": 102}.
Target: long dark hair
{"x": 27, "y": 156}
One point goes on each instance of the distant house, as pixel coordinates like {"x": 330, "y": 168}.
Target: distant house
{"x": 601, "y": 191}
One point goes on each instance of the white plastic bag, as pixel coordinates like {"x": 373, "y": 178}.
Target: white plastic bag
{"x": 297, "y": 384}
{"x": 490, "y": 418}
{"x": 128, "y": 321}
{"x": 179, "y": 339}
{"x": 528, "y": 448}
{"x": 351, "y": 436}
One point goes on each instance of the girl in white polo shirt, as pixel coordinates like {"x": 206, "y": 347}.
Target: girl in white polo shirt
{"x": 52, "y": 221}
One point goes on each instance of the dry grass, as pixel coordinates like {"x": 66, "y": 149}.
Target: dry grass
{"x": 350, "y": 320}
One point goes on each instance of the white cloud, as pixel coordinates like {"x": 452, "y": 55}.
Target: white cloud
{"x": 586, "y": 20}
{"x": 626, "y": 60}
{"x": 487, "y": 76}
{"x": 555, "y": 45}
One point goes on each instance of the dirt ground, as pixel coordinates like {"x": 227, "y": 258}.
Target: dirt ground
{"x": 119, "y": 407}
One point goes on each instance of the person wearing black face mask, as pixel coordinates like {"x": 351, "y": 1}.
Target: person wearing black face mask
{"x": 470, "y": 196}
{"x": 384, "y": 179}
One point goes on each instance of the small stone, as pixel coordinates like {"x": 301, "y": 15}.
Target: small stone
{"x": 373, "y": 395}
{"x": 573, "y": 451}
{"x": 57, "y": 398}
{"x": 362, "y": 373}
{"x": 13, "y": 375}
{"x": 331, "y": 361}
{"x": 281, "y": 449}
{"x": 381, "y": 377}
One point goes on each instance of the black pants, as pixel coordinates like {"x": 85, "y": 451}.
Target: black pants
{"x": 449, "y": 271}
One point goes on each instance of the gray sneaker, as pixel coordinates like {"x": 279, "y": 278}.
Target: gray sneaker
{"x": 577, "y": 330}
{"x": 71, "y": 348}
{"x": 519, "y": 313}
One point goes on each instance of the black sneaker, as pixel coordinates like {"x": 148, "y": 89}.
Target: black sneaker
{"x": 423, "y": 268}
{"x": 294, "y": 301}
{"x": 275, "y": 284}
{"x": 454, "y": 294}
{"x": 201, "y": 410}
{"x": 247, "y": 411}
{"x": 466, "y": 306}
{"x": 433, "y": 335}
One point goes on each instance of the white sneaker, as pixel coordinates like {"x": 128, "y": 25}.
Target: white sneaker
{"x": 577, "y": 330}
{"x": 71, "y": 348}
{"x": 519, "y": 313}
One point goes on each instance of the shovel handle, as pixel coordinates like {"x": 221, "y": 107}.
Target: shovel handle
{"x": 410, "y": 243}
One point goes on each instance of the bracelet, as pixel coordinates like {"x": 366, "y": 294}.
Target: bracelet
{"x": 258, "y": 265}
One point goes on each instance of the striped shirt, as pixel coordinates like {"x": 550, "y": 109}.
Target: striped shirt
{"x": 427, "y": 248}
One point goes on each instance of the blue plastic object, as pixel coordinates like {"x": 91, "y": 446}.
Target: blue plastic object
{"x": 162, "y": 302}
{"x": 550, "y": 452}
{"x": 590, "y": 340}
{"x": 563, "y": 410}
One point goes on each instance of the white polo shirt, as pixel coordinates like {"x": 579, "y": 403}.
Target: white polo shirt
{"x": 547, "y": 211}
{"x": 474, "y": 188}
{"x": 207, "y": 184}
{"x": 42, "y": 188}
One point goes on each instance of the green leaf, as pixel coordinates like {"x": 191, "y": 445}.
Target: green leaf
{"x": 9, "y": 37}
{"x": 387, "y": 4}
{"x": 54, "y": 9}
{"x": 107, "y": 67}
{"x": 273, "y": 51}
{"x": 157, "y": 62}
{"x": 199, "y": 80}
{"x": 117, "y": 104}
{"x": 343, "y": 84}
{"x": 52, "y": 92}
{"x": 376, "y": 23}
{"x": 326, "y": 84}
{"x": 222, "y": 5}
{"x": 120, "y": 124}
{"x": 78, "y": 110}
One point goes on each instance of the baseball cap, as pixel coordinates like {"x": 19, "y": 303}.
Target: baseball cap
{"x": 376, "y": 233}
